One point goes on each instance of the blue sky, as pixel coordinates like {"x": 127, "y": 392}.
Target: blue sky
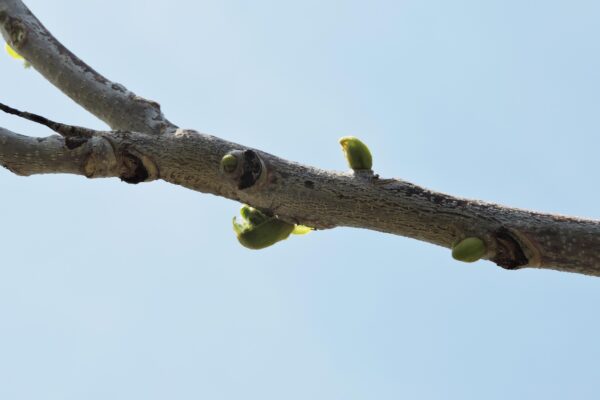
{"x": 117, "y": 291}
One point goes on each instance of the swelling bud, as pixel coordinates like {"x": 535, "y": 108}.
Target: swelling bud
{"x": 357, "y": 153}
{"x": 258, "y": 231}
{"x": 469, "y": 250}
{"x": 229, "y": 163}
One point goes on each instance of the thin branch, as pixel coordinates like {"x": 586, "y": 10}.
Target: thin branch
{"x": 68, "y": 131}
{"x": 109, "y": 101}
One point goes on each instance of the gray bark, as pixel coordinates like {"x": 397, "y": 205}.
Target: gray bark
{"x": 144, "y": 146}
{"x": 107, "y": 100}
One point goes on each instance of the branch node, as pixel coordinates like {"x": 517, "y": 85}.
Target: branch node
{"x": 101, "y": 161}
{"x": 365, "y": 174}
{"x": 245, "y": 168}
{"x": 229, "y": 163}
{"x": 65, "y": 130}
{"x": 74, "y": 142}
{"x": 136, "y": 167}
{"x": 17, "y": 33}
{"x": 252, "y": 168}
{"x": 509, "y": 253}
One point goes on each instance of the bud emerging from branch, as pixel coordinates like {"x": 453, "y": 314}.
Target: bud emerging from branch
{"x": 470, "y": 249}
{"x": 357, "y": 153}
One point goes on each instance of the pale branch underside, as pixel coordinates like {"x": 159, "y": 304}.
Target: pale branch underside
{"x": 144, "y": 146}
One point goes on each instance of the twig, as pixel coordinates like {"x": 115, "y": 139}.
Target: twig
{"x": 68, "y": 131}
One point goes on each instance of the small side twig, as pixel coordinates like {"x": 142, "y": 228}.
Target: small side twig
{"x": 68, "y": 131}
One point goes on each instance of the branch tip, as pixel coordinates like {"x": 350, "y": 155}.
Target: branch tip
{"x": 68, "y": 131}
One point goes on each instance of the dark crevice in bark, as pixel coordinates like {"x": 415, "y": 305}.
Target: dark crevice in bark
{"x": 252, "y": 169}
{"x": 133, "y": 170}
{"x": 509, "y": 254}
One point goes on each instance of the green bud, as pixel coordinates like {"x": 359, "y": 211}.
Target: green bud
{"x": 266, "y": 234}
{"x": 257, "y": 230}
{"x": 229, "y": 163}
{"x": 357, "y": 153}
{"x": 252, "y": 215}
{"x": 469, "y": 250}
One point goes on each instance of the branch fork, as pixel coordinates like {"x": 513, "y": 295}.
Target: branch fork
{"x": 142, "y": 145}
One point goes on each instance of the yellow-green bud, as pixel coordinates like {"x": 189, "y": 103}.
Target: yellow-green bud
{"x": 252, "y": 215}
{"x": 266, "y": 234}
{"x": 469, "y": 249}
{"x": 258, "y": 230}
{"x": 229, "y": 163}
{"x": 302, "y": 230}
{"x": 16, "y": 55}
{"x": 357, "y": 153}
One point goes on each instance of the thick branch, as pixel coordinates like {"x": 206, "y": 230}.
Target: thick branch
{"x": 26, "y": 155}
{"x": 323, "y": 199}
{"x": 109, "y": 101}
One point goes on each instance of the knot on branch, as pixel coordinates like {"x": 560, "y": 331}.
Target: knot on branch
{"x": 101, "y": 160}
{"x": 136, "y": 167}
{"x": 245, "y": 168}
{"x": 155, "y": 117}
{"x": 509, "y": 253}
{"x": 105, "y": 159}
{"x": 147, "y": 102}
{"x": 15, "y": 28}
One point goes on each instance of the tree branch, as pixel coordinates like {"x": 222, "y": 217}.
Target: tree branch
{"x": 322, "y": 199}
{"x": 147, "y": 147}
{"x": 24, "y": 155}
{"x": 109, "y": 101}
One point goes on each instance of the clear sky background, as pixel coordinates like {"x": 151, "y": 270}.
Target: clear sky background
{"x": 116, "y": 291}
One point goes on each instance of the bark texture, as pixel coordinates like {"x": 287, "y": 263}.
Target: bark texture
{"x": 143, "y": 146}
{"x": 109, "y": 101}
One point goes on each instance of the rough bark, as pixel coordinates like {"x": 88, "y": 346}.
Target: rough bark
{"x": 144, "y": 146}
